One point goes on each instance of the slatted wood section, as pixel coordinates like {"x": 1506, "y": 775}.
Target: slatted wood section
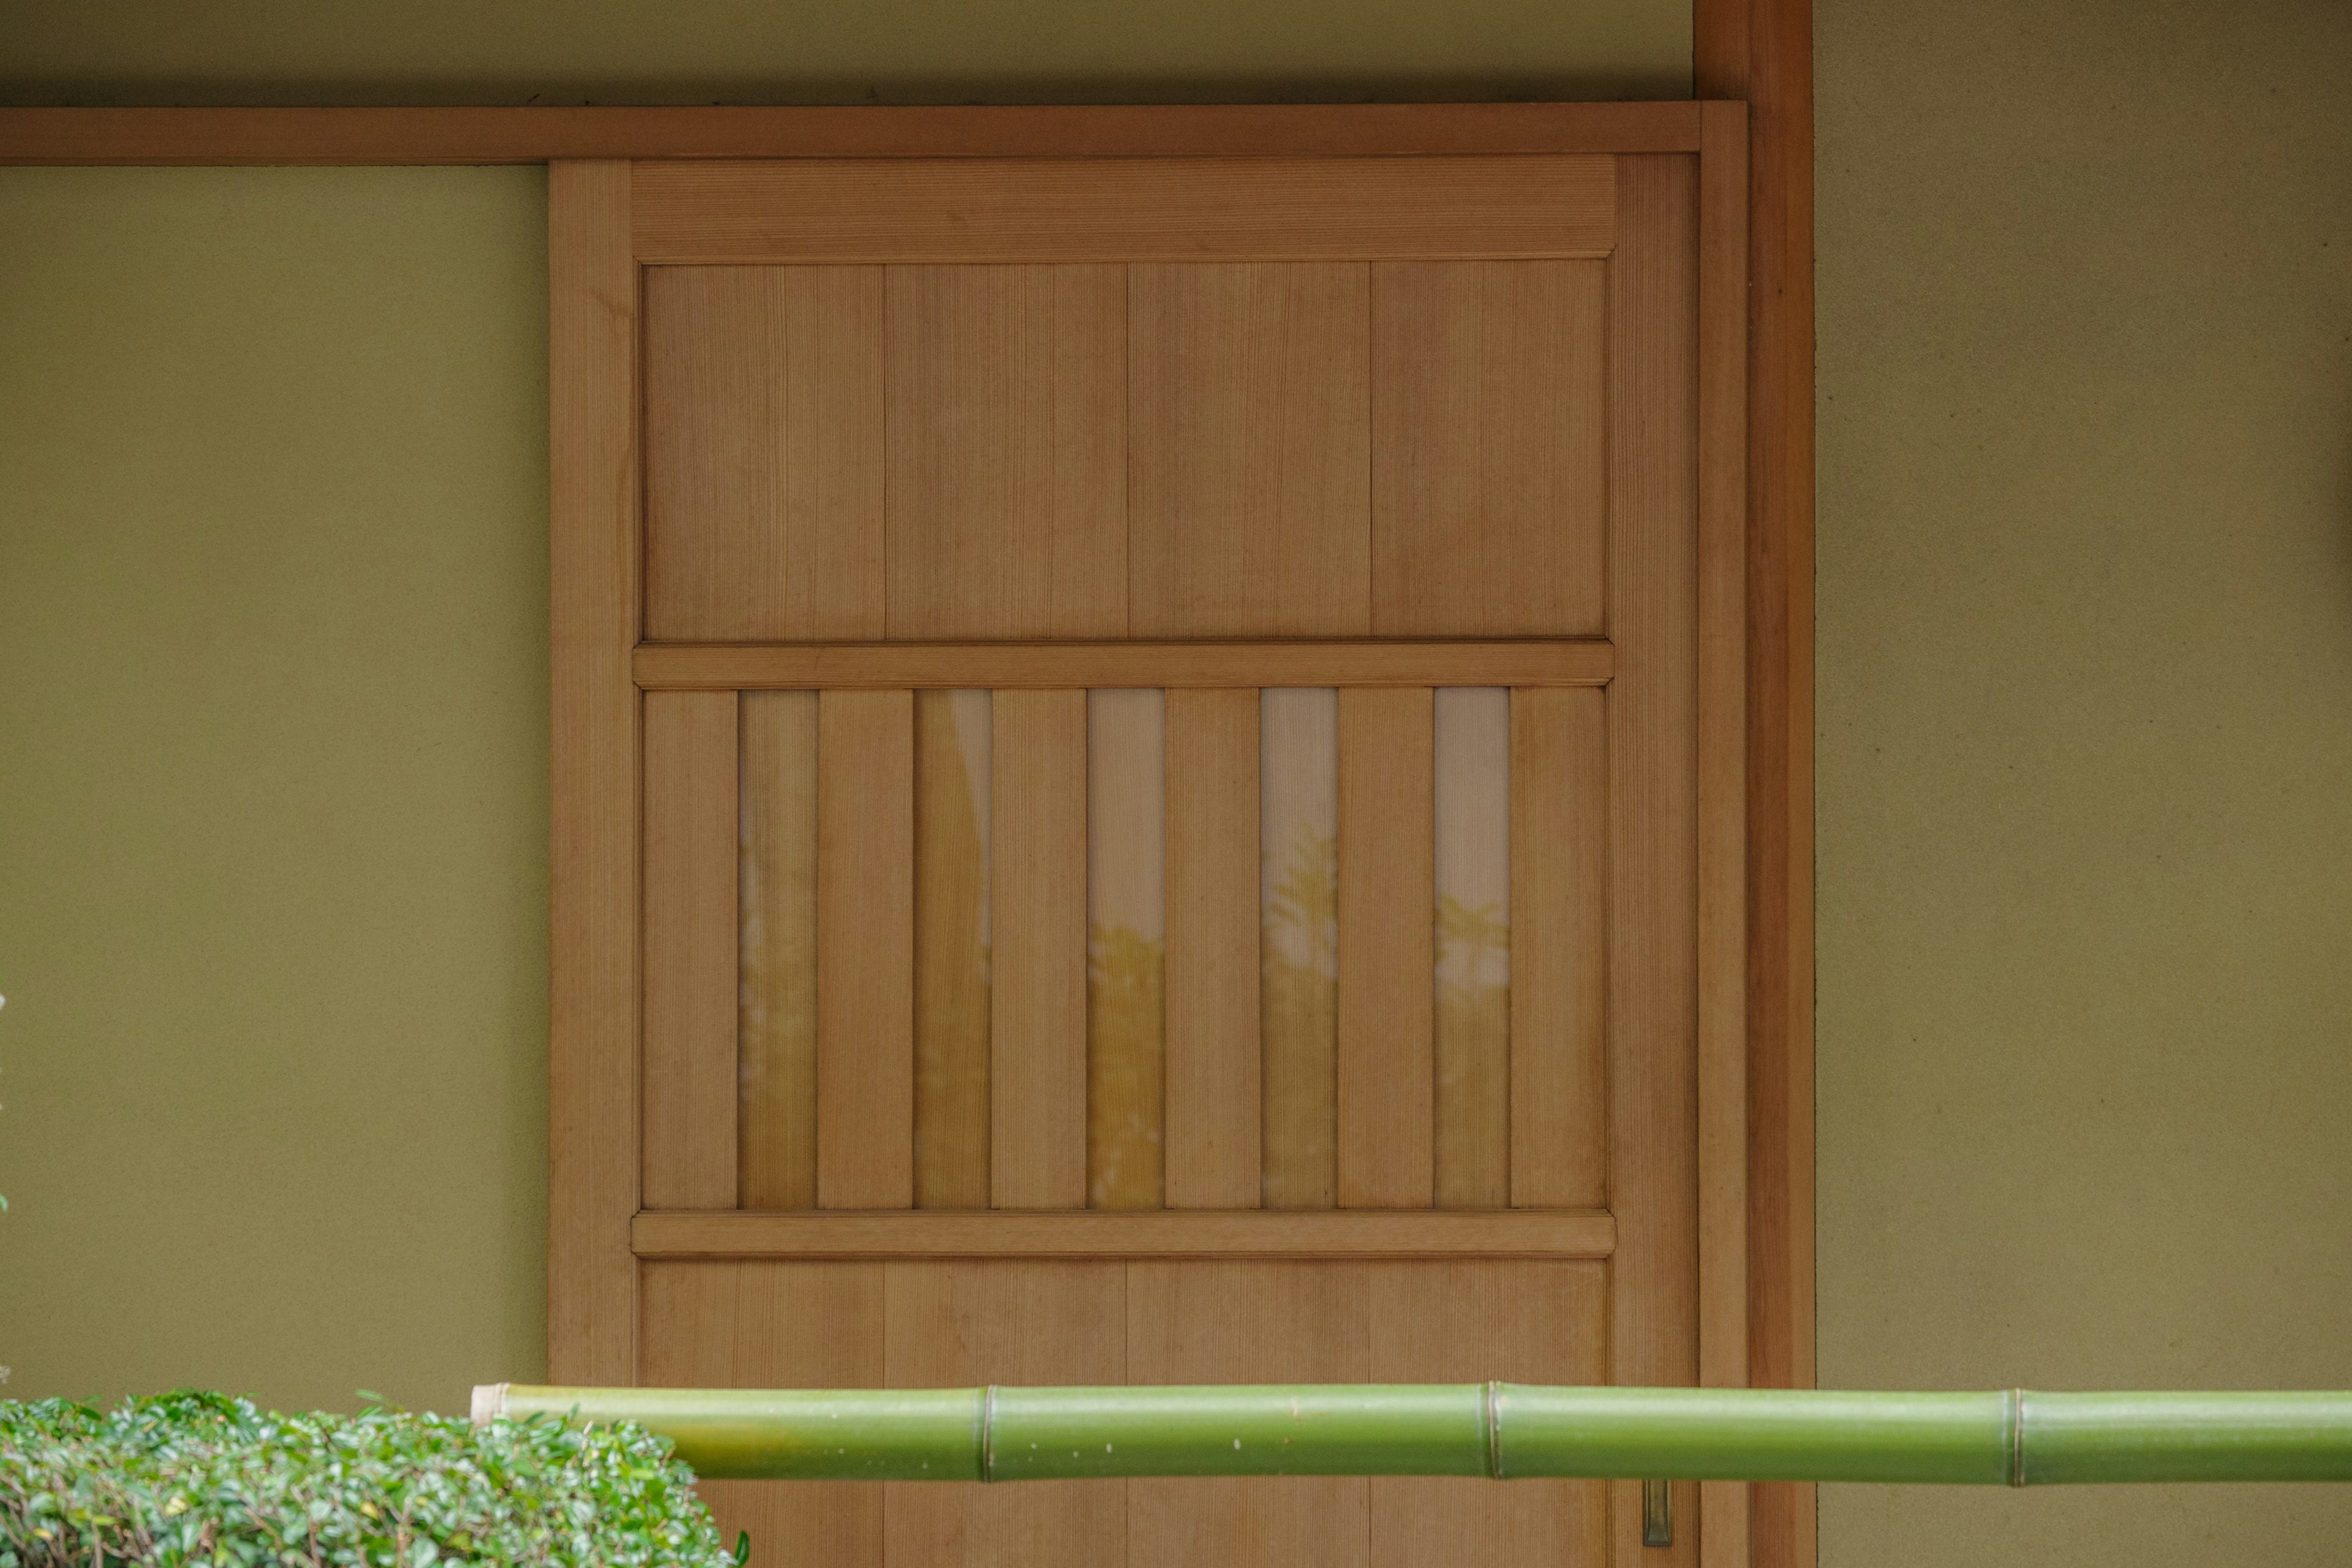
{"x": 1559, "y": 955}
{"x": 690, "y": 950}
{"x": 952, "y": 814}
{"x": 865, "y": 949}
{"x": 1463, "y": 1323}
{"x": 1126, "y": 930}
{"x": 1489, "y": 493}
{"x": 1007, "y": 492}
{"x": 1387, "y": 959}
{"x": 1215, "y": 1115}
{"x": 1652, "y": 826}
{"x": 1248, "y": 1322}
{"x": 776, "y": 839}
{"x": 1249, "y": 419}
{"x": 764, "y": 453}
{"x": 1038, "y": 1013}
{"x": 1099, "y": 209}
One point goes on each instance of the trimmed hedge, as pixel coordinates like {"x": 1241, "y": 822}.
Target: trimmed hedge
{"x": 194, "y": 1478}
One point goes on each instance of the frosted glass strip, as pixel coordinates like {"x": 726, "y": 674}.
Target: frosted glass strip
{"x": 1298, "y": 739}
{"x": 1127, "y": 922}
{"x": 1474, "y": 947}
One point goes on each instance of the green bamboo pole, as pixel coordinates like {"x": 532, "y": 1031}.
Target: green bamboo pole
{"x": 1499, "y": 1429}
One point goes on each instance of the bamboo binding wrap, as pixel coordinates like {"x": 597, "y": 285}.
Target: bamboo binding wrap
{"x": 1501, "y": 1430}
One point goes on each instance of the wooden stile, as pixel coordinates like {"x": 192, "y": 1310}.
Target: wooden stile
{"x": 866, "y": 959}
{"x": 776, "y": 898}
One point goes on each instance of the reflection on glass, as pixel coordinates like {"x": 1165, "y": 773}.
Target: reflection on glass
{"x": 1473, "y": 744}
{"x": 1299, "y": 742}
{"x": 776, "y": 934}
{"x": 953, "y": 737}
{"x": 1127, "y": 922}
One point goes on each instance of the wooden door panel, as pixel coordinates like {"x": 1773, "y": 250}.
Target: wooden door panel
{"x": 996, "y": 856}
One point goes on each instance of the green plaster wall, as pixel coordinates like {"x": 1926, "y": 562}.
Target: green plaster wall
{"x": 2086, "y": 736}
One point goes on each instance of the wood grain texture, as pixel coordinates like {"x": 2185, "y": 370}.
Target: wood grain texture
{"x": 958, "y": 1325}
{"x": 1387, "y": 960}
{"x": 776, "y": 935}
{"x": 1214, "y": 1110}
{"x": 865, "y": 958}
{"x": 1249, "y": 424}
{"x": 1127, "y": 928}
{"x": 1762, "y": 51}
{"x": 952, "y": 810}
{"x": 775, "y": 1325}
{"x": 895, "y": 666}
{"x": 1489, "y": 448}
{"x": 764, "y": 453}
{"x": 1465, "y": 1322}
{"x": 1007, "y": 493}
{"x": 1471, "y": 1044}
{"x": 1652, "y": 765}
{"x": 971, "y": 210}
{"x": 1037, "y": 1000}
{"x": 1163, "y": 1234}
{"x": 538, "y": 135}
{"x": 691, "y": 951}
{"x": 1299, "y": 976}
{"x": 1559, "y": 950}
{"x": 1248, "y": 1322}
{"x": 593, "y": 850}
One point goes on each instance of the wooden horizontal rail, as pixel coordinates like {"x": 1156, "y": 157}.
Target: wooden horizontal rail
{"x": 540, "y": 135}
{"x": 1052, "y": 210}
{"x": 1361, "y": 1233}
{"x": 890, "y": 667}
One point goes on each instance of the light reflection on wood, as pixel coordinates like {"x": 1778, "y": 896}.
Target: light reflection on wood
{"x": 776, "y": 925}
{"x": 951, "y": 871}
{"x": 1299, "y": 969}
{"x": 1474, "y": 947}
{"x": 1126, "y": 946}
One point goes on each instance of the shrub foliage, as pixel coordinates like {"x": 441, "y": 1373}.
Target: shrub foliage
{"x": 196, "y": 1478}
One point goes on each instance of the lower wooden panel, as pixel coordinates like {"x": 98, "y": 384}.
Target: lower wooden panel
{"x": 766, "y": 1325}
{"x": 1465, "y": 1322}
{"x": 958, "y": 1324}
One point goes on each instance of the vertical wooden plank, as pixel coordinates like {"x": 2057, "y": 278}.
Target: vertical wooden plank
{"x": 1387, "y": 963}
{"x": 956, "y": 1325}
{"x": 592, "y": 931}
{"x": 1127, "y": 927}
{"x": 1250, "y": 421}
{"x": 1007, "y": 451}
{"x": 1490, "y": 468}
{"x": 1653, "y": 811}
{"x": 1248, "y": 1322}
{"x": 865, "y": 958}
{"x": 1559, "y": 960}
{"x": 1214, "y": 1111}
{"x": 1298, "y": 1005}
{"x": 764, "y": 453}
{"x": 1467, "y": 1322}
{"x": 775, "y": 1325}
{"x": 1723, "y": 794}
{"x": 1037, "y": 1001}
{"x": 1471, "y": 1146}
{"x": 953, "y": 746}
{"x": 776, "y": 898}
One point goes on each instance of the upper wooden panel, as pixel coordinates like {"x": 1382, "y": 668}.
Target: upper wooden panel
{"x": 1125, "y": 209}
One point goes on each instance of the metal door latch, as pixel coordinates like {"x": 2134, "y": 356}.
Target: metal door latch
{"x": 1657, "y": 1514}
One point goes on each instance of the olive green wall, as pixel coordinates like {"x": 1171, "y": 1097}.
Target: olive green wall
{"x": 2085, "y": 735}
{"x": 273, "y": 742}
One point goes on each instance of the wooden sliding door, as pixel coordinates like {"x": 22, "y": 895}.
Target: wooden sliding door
{"x": 1148, "y": 791}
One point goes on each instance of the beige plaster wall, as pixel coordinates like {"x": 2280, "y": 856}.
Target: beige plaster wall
{"x": 2085, "y": 735}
